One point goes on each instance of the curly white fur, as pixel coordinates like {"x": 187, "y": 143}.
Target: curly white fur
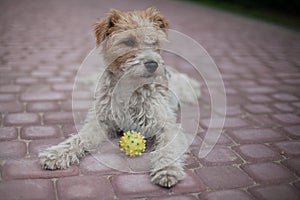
{"x": 128, "y": 97}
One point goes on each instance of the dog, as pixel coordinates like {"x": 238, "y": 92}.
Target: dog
{"x": 134, "y": 93}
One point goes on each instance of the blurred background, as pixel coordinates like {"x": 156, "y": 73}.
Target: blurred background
{"x": 282, "y": 12}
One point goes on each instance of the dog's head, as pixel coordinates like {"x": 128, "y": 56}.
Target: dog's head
{"x": 131, "y": 42}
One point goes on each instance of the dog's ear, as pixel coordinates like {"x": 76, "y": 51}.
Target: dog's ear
{"x": 100, "y": 28}
{"x": 103, "y": 27}
{"x": 157, "y": 18}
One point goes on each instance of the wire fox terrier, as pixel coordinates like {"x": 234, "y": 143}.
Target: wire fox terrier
{"x": 134, "y": 93}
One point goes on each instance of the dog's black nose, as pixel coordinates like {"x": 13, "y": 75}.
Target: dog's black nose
{"x": 151, "y": 65}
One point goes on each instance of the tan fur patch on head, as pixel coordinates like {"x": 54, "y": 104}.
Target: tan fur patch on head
{"x": 130, "y": 39}
{"x": 115, "y": 65}
{"x": 122, "y": 21}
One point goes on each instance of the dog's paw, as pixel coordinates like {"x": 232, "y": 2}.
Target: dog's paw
{"x": 167, "y": 177}
{"x": 52, "y": 160}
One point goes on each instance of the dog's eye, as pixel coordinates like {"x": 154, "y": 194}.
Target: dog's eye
{"x": 129, "y": 43}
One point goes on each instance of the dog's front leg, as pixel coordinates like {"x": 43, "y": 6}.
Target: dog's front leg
{"x": 69, "y": 152}
{"x": 168, "y": 157}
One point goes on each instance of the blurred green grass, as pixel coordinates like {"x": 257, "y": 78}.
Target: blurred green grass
{"x": 280, "y": 12}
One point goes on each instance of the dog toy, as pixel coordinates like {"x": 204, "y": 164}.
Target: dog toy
{"x": 132, "y": 143}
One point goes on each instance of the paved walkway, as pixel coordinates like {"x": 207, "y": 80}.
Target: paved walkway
{"x": 257, "y": 156}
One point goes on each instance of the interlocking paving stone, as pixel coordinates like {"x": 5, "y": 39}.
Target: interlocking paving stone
{"x": 226, "y": 195}
{"x": 293, "y": 164}
{"x": 256, "y": 135}
{"x": 297, "y": 184}
{"x": 259, "y": 90}
{"x": 47, "y": 96}
{"x": 289, "y": 147}
{"x": 220, "y": 155}
{"x": 64, "y": 87}
{"x": 84, "y": 187}
{"x": 42, "y": 106}
{"x": 7, "y": 97}
{"x": 11, "y": 107}
{"x": 136, "y": 185}
{"x": 191, "y": 162}
{"x": 69, "y": 129}
{"x": 173, "y": 197}
{"x": 269, "y": 172}
{"x": 263, "y": 121}
{"x": 253, "y": 108}
{"x": 40, "y": 132}
{"x": 223, "y": 177}
{"x": 283, "y": 107}
{"x": 12, "y": 149}
{"x": 76, "y": 105}
{"x": 58, "y": 118}
{"x": 27, "y": 189}
{"x": 259, "y": 98}
{"x": 26, "y": 80}
{"x": 293, "y": 131}
{"x": 36, "y": 146}
{"x": 90, "y": 165}
{"x": 31, "y": 169}
{"x": 257, "y": 152}
{"x": 10, "y": 88}
{"x": 56, "y": 79}
{"x": 8, "y": 133}
{"x": 230, "y": 122}
{"x": 285, "y": 97}
{"x": 296, "y": 104}
{"x": 233, "y": 110}
{"x": 22, "y": 119}
{"x": 41, "y": 74}
{"x": 190, "y": 184}
{"x": 288, "y": 118}
{"x": 224, "y": 140}
{"x": 275, "y": 192}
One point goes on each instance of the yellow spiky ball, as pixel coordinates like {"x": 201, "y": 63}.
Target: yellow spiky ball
{"x": 132, "y": 143}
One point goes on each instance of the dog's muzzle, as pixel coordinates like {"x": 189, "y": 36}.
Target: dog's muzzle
{"x": 151, "y": 65}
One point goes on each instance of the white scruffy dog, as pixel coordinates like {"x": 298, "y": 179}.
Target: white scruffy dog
{"x": 133, "y": 94}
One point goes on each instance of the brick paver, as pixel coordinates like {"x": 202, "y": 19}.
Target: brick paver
{"x": 85, "y": 187}
{"x": 36, "y": 146}
{"x": 174, "y": 197}
{"x": 135, "y": 185}
{"x": 224, "y": 177}
{"x": 91, "y": 166}
{"x": 8, "y": 133}
{"x": 275, "y": 192}
{"x": 289, "y": 147}
{"x": 221, "y": 155}
{"x": 40, "y": 132}
{"x": 30, "y": 169}
{"x": 21, "y": 119}
{"x": 257, "y": 152}
{"x": 27, "y": 189}
{"x": 293, "y": 164}
{"x": 269, "y": 172}
{"x": 42, "y": 106}
{"x": 12, "y": 149}
{"x": 226, "y": 195}
{"x": 293, "y": 131}
{"x": 58, "y": 118}
{"x": 256, "y": 135}
{"x": 42, "y": 44}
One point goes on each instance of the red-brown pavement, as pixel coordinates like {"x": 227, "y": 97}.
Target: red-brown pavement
{"x": 42, "y": 44}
